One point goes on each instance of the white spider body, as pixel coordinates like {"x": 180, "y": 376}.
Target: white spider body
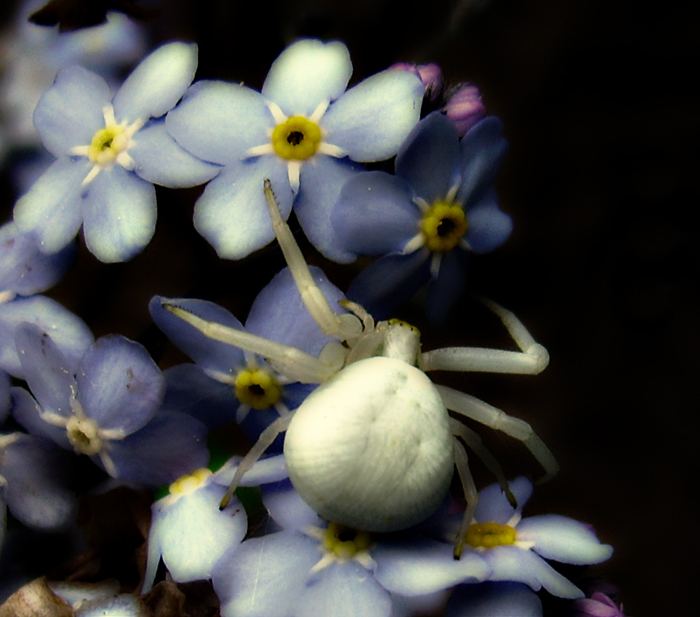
{"x": 372, "y": 448}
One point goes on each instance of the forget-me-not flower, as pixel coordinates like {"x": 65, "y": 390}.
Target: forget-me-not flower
{"x": 110, "y": 150}
{"x": 427, "y": 218}
{"x": 106, "y": 406}
{"x": 301, "y": 132}
{"x": 254, "y": 393}
{"x": 312, "y": 565}
{"x": 516, "y": 548}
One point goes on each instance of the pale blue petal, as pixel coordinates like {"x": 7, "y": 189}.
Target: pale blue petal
{"x": 190, "y": 390}
{"x": 159, "y": 159}
{"x": 563, "y": 539}
{"x": 422, "y": 566}
{"x": 232, "y": 213}
{"x": 170, "y": 445}
{"x": 157, "y": 83}
{"x": 28, "y": 413}
{"x": 69, "y": 332}
{"x": 445, "y": 290}
{"x": 493, "y": 504}
{"x": 265, "y": 471}
{"x": 374, "y": 214}
{"x": 390, "y": 281}
{"x": 23, "y": 269}
{"x": 119, "y": 214}
{"x": 218, "y": 122}
{"x": 46, "y": 370}
{"x": 490, "y": 599}
{"x": 483, "y": 149}
{"x": 287, "y": 507}
{"x": 279, "y": 314}
{"x": 321, "y": 180}
{"x": 265, "y": 576}
{"x": 206, "y": 352}
{"x": 120, "y": 386}
{"x": 71, "y": 111}
{"x": 348, "y": 588}
{"x": 307, "y": 73}
{"x": 37, "y": 473}
{"x": 370, "y": 121}
{"x": 489, "y": 227}
{"x": 429, "y": 158}
{"x": 192, "y": 534}
{"x": 52, "y": 207}
{"x": 510, "y": 563}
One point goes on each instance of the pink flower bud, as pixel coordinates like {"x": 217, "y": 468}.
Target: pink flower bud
{"x": 464, "y": 108}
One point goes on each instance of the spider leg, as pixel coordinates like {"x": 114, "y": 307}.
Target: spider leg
{"x": 471, "y": 495}
{"x": 291, "y": 362}
{"x": 471, "y": 439}
{"x": 530, "y": 360}
{"x": 342, "y": 327}
{"x": 264, "y": 442}
{"x": 482, "y": 412}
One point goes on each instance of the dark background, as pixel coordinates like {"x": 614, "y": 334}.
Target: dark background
{"x": 601, "y": 181}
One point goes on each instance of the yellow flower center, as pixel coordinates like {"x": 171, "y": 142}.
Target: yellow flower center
{"x": 345, "y": 542}
{"x": 188, "y": 483}
{"x": 489, "y": 535}
{"x": 258, "y": 388}
{"x": 84, "y": 435}
{"x": 296, "y": 139}
{"x": 107, "y": 144}
{"x": 443, "y": 226}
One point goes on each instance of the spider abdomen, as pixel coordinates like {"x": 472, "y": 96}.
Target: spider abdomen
{"x": 372, "y": 447}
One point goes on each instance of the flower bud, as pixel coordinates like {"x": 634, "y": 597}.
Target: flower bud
{"x": 429, "y": 74}
{"x": 464, "y": 108}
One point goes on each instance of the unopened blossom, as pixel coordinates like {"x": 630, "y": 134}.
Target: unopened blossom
{"x": 465, "y": 108}
{"x": 106, "y": 406}
{"x": 110, "y": 151}
{"x": 302, "y": 132}
{"x": 517, "y": 548}
{"x": 429, "y": 74}
{"x": 240, "y": 385}
{"x": 598, "y": 605}
{"x": 424, "y": 221}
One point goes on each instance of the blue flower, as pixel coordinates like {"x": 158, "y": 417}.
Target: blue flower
{"x": 189, "y": 531}
{"x": 312, "y": 565}
{"x": 24, "y": 271}
{"x": 427, "y": 218}
{"x": 34, "y": 476}
{"x": 106, "y": 406}
{"x": 296, "y": 133}
{"x": 109, "y": 153}
{"x": 516, "y": 548}
{"x": 278, "y": 314}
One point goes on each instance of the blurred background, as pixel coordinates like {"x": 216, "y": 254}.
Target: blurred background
{"x": 599, "y": 105}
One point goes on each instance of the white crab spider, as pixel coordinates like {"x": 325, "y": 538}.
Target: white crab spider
{"x": 374, "y": 447}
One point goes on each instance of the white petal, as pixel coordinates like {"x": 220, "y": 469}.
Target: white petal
{"x": 371, "y": 120}
{"x": 159, "y": 159}
{"x": 51, "y": 208}
{"x": 220, "y": 122}
{"x": 119, "y": 214}
{"x": 232, "y": 212}
{"x": 307, "y": 73}
{"x": 157, "y": 83}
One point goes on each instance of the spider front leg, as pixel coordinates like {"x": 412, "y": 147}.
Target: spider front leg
{"x": 530, "y": 360}
{"x": 343, "y": 327}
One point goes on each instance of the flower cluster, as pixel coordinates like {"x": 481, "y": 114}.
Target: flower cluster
{"x": 346, "y": 503}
